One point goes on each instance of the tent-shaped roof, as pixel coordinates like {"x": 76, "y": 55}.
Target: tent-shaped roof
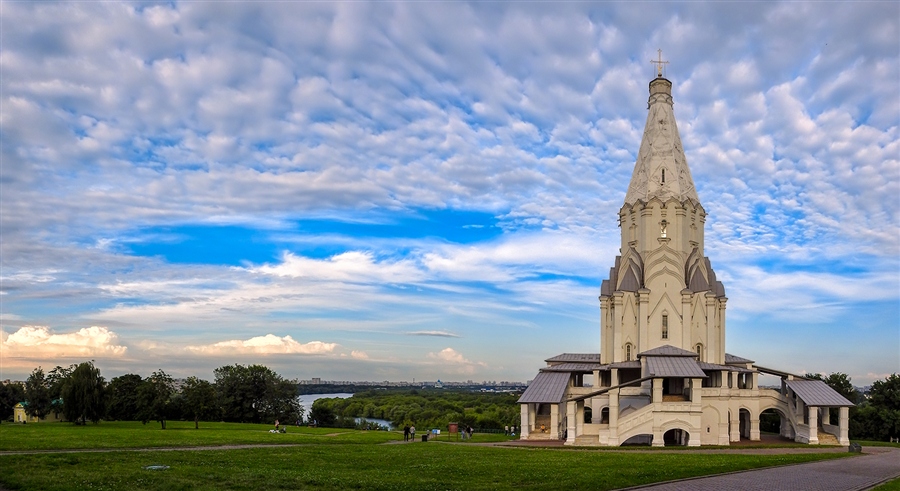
{"x": 667, "y": 350}
{"x": 547, "y": 387}
{"x": 817, "y": 393}
{"x": 674, "y": 366}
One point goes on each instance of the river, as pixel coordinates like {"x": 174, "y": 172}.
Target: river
{"x": 307, "y": 400}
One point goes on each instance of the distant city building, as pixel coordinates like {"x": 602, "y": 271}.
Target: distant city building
{"x": 662, "y": 375}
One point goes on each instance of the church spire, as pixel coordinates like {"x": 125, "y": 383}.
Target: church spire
{"x": 661, "y": 169}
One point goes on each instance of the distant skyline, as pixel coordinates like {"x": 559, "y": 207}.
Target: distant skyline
{"x": 429, "y": 190}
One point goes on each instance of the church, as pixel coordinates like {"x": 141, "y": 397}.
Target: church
{"x": 662, "y": 376}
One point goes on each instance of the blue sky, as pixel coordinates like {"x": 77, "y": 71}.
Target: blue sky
{"x": 389, "y": 191}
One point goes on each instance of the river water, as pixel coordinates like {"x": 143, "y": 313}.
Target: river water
{"x": 307, "y": 400}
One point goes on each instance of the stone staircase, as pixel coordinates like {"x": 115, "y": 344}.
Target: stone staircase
{"x": 587, "y": 440}
{"x": 827, "y": 438}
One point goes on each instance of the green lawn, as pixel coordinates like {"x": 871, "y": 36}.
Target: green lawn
{"x": 329, "y": 459}
{"x": 130, "y": 434}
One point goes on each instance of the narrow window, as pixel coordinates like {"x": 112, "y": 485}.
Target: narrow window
{"x": 664, "y": 176}
{"x": 699, "y": 350}
{"x": 628, "y": 352}
{"x": 665, "y": 326}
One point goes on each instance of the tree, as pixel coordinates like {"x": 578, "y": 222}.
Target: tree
{"x": 256, "y": 394}
{"x": 155, "y": 395}
{"x": 83, "y": 392}
{"x": 884, "y": 397}
{"x": 199, "y": 399}
{"x": 37, "y": 394}
{"x": 10, "y": 395}
{"x": 56, "y": 378}
{"x": 123, "y": 397}
{"x": 321, "y": 413}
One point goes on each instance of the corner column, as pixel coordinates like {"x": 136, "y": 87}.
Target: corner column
{"x": 570, "y": 422}
{"x": 525, "y": 423}
{"x": 813, "y": 413}
{"x": 844, "y": 425}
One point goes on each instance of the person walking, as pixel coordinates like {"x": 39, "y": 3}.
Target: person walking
{"x": 412, "y": 432}
{"x": 406, "y": 433}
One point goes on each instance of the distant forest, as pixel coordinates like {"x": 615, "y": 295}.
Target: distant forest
{"x": 423, "y": 408}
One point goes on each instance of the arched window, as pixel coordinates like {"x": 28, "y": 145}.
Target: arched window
{"x": 588, "y": 415}
{"x": 604, "y": 416}
{"x": 627, "y": 351}
{"x": 665, "y": 326}
{"x": 699, "y": 350}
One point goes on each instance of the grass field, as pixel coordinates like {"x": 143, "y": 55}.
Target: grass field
{"x": 324, "y": 458}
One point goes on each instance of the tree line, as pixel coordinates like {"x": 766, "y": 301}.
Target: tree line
{"x": 425, "y": 408}
{"x": 241, "y": 394}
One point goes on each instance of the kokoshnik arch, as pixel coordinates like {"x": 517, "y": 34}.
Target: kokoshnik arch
{"x": 662, "y": 375}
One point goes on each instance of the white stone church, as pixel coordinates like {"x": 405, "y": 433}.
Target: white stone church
{"x": 662, "y": 376}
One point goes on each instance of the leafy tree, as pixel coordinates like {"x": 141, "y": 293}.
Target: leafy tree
{"x": 199, "y": 399}
{"x": 10, "y": 395}
{"x": 83, "y": 392}
{"x": 885, "y": 399}
{"x": 37, "y": 394}
{"x": 57, "y": 378}
{"x": 321, "y": 413}
{"x": 155, "y": 395}
{"x": 886, "y": 393}
{"x": 256, "y": 394}
{"x": 123, "y": 397}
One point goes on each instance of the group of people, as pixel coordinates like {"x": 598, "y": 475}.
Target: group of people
{"x": 467, "y": 432}
{"x": 409, "y": 433}
{"x": 509, "y": 430}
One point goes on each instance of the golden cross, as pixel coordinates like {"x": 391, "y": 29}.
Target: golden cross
{"x": 659, "y": 63}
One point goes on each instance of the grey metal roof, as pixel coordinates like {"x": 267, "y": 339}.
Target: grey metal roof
{"x": 714, "y": 366}
{"x": 736, "y": 359}
{"x": 547, "y": 387}
{"x": 817, "y": 393}
{"x": 626, "y": 364}
{"x": 576, "y": 358}
{"x": 575, "y": 367}
{"x": 674, "y": 366}
{"x": 667, "y": 350}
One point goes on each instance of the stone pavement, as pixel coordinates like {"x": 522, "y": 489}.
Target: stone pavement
{"x": 876, "y": 465}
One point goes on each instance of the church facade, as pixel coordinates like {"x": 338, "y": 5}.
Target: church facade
{"x": 662, "y": 376}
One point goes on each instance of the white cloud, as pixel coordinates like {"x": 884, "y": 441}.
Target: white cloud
{"x": 264, "y": 345}
{"x": 455, "y": 362}
{"x": 31, "y": 342}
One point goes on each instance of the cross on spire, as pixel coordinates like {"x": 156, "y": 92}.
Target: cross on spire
{"x": 659, "y": 63}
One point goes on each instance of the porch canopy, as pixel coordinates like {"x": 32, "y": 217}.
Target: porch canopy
{"x": 816, "y": 393}
{"x": 547, "y": 387}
